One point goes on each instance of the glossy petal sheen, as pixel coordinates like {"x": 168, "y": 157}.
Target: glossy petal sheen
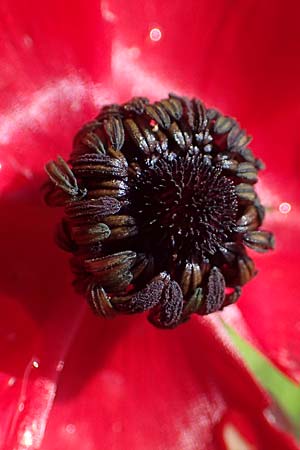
{"x": 270, "y": 307}
{"x": 122, "y": 384}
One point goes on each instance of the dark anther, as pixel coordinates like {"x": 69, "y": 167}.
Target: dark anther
{"x": 160, "y": 206}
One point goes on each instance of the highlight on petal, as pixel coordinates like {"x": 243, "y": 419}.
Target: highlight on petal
{"x": 41, "y": 123}
{"x": 40, "y": 44}
{"x": 180, "y": 384}
{"x": 269, "y": 306}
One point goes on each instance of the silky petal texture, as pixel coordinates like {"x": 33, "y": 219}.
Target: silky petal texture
{"x": 157, "y": 390}
{"x": 42, "y": 42}
{"x": 121, "y": 384}
{"x": 276, "y": 322}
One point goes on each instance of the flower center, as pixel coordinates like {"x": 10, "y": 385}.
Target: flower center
{"x": 185, "y": 205}
{"x": 159, "y": 207}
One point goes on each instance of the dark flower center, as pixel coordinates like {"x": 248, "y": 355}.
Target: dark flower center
{"x": 185, "y": 206}
{"x": 160, "y": 206}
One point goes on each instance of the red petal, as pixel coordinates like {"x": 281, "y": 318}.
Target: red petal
{"x": 40, "y": 44}
{"x": 238, "y": 58}
{"x": 53, "y": 60}
{"x": 269, "y": 303}
{"x": 125, "y": 384}
{"x": 147, "y": 388}
{"x": 121, "y": 382}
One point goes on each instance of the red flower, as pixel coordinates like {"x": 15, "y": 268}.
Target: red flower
{"x": 123, "y": 384}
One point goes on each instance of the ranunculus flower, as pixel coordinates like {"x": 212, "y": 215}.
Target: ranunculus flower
{"x": 71, "y": 380}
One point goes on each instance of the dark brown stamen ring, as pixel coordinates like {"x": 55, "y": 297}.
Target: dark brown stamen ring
{"x": 159, "y": 207}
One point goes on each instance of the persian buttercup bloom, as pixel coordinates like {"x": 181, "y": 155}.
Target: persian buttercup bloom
{"x": 69, "y": 379}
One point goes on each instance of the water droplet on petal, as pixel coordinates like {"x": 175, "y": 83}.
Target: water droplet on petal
{"x": 35, "y": 364}
{"x": 285, "y": 207}
{"x": 155, "y": 34}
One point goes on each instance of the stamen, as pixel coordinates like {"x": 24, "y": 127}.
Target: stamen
{"x": 160, "y": 206}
